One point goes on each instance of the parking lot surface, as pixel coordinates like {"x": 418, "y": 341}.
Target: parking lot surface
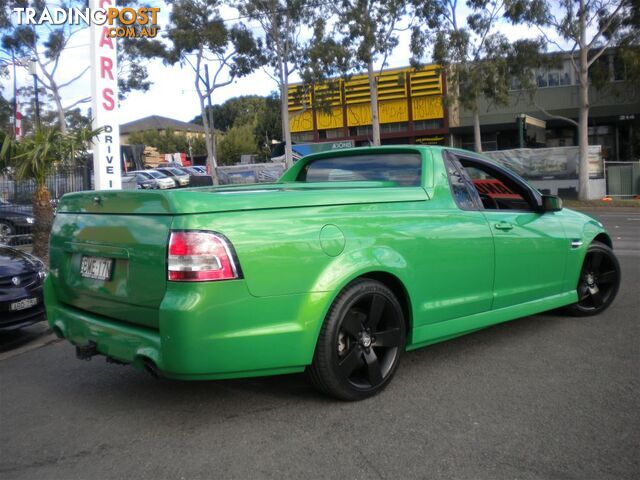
{"x": 544, "y": 397}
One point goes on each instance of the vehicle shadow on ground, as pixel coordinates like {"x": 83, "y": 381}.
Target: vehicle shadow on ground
{"x": 128, "y": 386}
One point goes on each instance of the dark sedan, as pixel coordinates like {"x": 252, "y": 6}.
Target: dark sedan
{"x": 21, "y": 278}
{"x": 15, "y": 220}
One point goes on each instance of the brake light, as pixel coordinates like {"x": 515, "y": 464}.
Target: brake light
{"x": 196, "y": 256}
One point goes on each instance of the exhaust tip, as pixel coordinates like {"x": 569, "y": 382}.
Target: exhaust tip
{"x": 150, "y": 367}
{"x": 85, "y": 352}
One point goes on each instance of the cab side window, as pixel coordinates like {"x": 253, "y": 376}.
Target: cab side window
{"x": 495, "y": 190}
{"x": 463, "y": 192}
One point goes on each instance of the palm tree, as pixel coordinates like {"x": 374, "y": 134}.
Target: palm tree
{"x": 35, "y": 157}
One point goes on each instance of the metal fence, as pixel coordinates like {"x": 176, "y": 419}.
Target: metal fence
{"x": 251, "y": 173}
{"x": 16, "y": 197}
{"x": 623, "y": 179}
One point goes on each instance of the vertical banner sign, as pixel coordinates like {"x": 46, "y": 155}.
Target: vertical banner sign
{"x": 104, "y": 94}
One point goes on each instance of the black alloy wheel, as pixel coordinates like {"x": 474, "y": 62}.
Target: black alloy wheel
{"x": 360, "y": 343}
{"x": 599, "y": 281}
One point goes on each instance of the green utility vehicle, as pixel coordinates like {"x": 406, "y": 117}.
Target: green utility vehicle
{"x": 350, "y": 259}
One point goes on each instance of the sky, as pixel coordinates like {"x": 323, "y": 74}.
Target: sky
{"x": 172, "y": 93}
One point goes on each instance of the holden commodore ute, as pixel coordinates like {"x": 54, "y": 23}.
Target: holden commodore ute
{"x": 352, "y": 258}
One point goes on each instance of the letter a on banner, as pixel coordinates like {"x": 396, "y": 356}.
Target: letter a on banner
{"x": 104, "y": 106}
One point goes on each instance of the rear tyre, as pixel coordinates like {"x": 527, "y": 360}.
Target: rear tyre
{"x": 360, "y": 342}
{"x": 598, "y": 283}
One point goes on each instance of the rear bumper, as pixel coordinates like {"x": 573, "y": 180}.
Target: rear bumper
{"x": 201, "y": 337}
{"x": 127, "y": 343}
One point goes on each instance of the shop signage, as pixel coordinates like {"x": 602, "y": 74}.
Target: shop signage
{"x": 104, "y": 109}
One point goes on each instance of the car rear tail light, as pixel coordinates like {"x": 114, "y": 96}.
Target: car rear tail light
{"x": 197, "y": 256}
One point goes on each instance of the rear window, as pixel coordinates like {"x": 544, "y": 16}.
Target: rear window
{"x": 404, "y": 169}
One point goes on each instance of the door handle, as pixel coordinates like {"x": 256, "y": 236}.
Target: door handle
{"x": 503, "y": 226}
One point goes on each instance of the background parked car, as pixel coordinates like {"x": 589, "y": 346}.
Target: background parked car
{"x": 14, "y": 220}
{"x": 161, "y": 179}
{"x": 195, "y": 170}
{"x": 21, "y": 278}
{"x": 142, "y": 181}
{"x": 169, "y": 164}
{"x": 180, "y": 177}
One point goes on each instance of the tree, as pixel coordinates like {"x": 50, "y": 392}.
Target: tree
{"x": 368, "y": 31}
{"x": 197, "y": 35}
{"x": 169, "y": 141}
{"x": 5, "y": 114}
{"x": 589, "y": 27}
{"x": 237, "y": 141}
{"x": 35, "y": 157}
{"x": 478, "y": 60}
{"x": 268, "y": 126}
{"x": 235, "y": 111}
{"x": 282, "y": 23}
{"x": 263, "y": 114}
{"x": 46, "y": 46}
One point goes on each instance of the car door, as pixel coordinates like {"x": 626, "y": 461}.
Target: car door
{"x": 530, "y": 246}
{"x": 456, "y": 255}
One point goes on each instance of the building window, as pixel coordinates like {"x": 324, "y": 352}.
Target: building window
{"x": 432, "y": 124}
{"x": 393, "y": 127}
{"x": 331, "y": 133}
{"x": 302, "y": 137}
{"x": 544, "y": 79}
{"x": 363, "y": 131}
{"x": 541, "y": 80}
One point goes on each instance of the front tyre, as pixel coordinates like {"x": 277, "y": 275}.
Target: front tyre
{"x": 598, "y": 283}
{"x": 360, "y": 342}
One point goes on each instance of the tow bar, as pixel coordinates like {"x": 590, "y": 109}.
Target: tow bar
{"x": 85, "y": 352}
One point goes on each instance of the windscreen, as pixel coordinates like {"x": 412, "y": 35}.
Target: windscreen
{"x": 403, "y": 169}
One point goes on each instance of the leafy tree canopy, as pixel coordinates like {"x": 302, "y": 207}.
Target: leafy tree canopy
{"x": 235, "y": 112}
{"x": 169, "y": 141}
{"x": 236, "y": 142}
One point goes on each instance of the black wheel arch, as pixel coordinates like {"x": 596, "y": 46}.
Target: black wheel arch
{"x": 603, "y": 238}
{"x": 398, "y": 288}
{"x": 390, "y": 281}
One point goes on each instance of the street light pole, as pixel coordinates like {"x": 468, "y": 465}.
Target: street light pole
{"x": 34, "y": 72}
{"x": 15, "y": 95}
{"x": 210, "y": 115}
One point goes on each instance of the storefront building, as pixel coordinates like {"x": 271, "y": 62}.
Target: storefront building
{"x": 614, "y": 115}
{"x": 410, "y": 103}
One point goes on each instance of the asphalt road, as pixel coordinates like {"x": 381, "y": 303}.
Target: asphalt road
{"x": 545, "y": 397}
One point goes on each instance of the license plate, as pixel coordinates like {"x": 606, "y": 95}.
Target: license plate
{"x": 23, "y": 304}
{"x": 97, "y": 268}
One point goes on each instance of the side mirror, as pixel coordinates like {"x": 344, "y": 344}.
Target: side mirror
{"x": 551, "y": 203}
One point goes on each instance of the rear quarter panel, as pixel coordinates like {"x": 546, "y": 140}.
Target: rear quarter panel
{"x": 283, "y": 252}
{"x": 286, "y": 251}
